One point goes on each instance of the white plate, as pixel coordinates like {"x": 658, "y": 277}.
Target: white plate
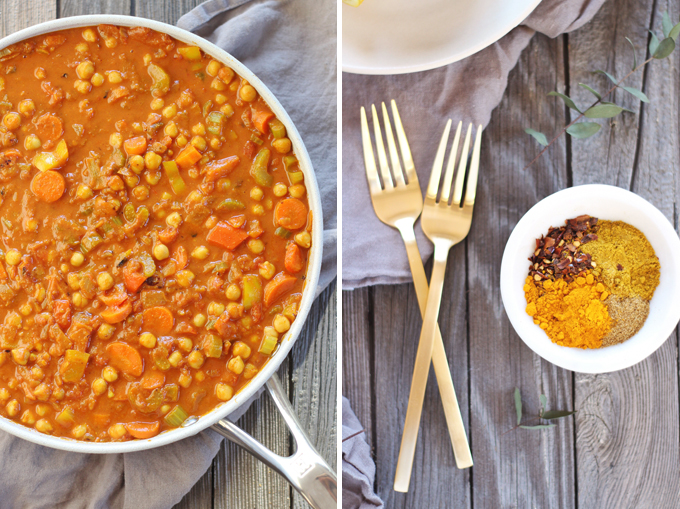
{"x": 400, "y": 36}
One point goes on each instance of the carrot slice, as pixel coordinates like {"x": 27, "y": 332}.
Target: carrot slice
{"x": 48, "y": 186}
{"x": 143, "y": 429}
{"x": 49, "y": 129}
{"x": 114, "y": 297}
{"x": 226, "y": 236}
{"x": 188, "y": 157}
{"x": 158, "y": 319}
{"x": 133, "y": 276}
{"x": 216, "y": 170}
{"x": 291, "y": 214}
{"x": 294, "y": 262}
{"x": 277, "y": 287}
{"x": 261, "y": 120}
{"x": 152, "y": 379}
{"x": 135, "y": 146}
{"x": 125, "y": 358}
{"x": 117, "y": 314}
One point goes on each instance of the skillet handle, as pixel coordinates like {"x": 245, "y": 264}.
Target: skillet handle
{"x": 305, "y": 470}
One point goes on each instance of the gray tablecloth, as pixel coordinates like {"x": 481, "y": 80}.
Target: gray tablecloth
{"x": 468, "y": 90}
{"x": 291, "y": 46}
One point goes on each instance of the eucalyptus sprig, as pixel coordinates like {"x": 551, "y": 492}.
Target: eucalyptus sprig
{"x": 543, "y": 414}
{"x": 658, "y": 50}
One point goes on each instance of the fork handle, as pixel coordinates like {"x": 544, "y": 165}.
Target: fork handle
{"x": 454, "y": 420}
{"x": 421, "y": 370}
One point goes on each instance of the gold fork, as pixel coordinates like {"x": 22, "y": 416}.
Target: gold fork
{"x": 398, "y": 203}
{"x": 445, "y": 225}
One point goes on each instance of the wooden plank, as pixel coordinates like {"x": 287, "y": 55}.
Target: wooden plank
{"x": 18, "y": 14}
{"x": 397, "y": 324}
{"x": 162, "y": 10}
{"x": 521, "y": 468}
{"x": 78, "y": 7}
{"x": 627, "y": 424}
{"x": 357, "y": 355}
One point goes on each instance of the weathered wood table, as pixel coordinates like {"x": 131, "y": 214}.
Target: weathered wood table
{"x": 621, "y": 448}
{"x": 236, "y": 479}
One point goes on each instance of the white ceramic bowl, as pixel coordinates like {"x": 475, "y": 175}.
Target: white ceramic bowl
{"x": 314, "y": 262}
{"x": 604, "y": 202}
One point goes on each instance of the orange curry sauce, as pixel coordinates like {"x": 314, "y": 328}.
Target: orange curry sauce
{"x": 155, "y": 231}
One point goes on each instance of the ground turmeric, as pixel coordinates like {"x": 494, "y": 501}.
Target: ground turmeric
{"x": 571, "y": 314}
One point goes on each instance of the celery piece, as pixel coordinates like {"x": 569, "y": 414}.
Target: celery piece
{"x": 146, "y": 405}
{"x": 142, "y": 215}
{"x": 66, "y": 418}
{"x": 206, "y": 107}
{"x": 212, "y": 346}
{"x": 252, "y": 290}
{"x": 170, "y": 393}
{"x": 89, "y": 242}
{"x": 258, "y": 170}
{"x": 148, "y": 263}
{"x": 117, "y": 221}
{"x": 160, "y": 358}
{"x": 268, "y": 345}
{"x": 129, "y": 213}
{"x": 277, "y": 128}
{"x": 50, "y": 160}
{"x": 256, "y": 139}
{"x": 289, "y": 162}
{"x": 215, "y": 120}
{"x": 190, "y": 52}
{"x": 73, "y": 367}
{"x": 176, "y": 180}
{"x": 282, "y": 232}
{"x": 161, "y": 80}
{"x": 296, "y": 177}
{"x": 230, "y": 204}
{"x": 176, "y": 417}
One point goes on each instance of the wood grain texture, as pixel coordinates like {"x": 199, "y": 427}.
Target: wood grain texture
{"x": 79, "y": 7}
{"x": 168, "y": 11}
{"x": 18, "y": 14}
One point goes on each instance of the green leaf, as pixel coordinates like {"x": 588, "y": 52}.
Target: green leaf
{"x": 637, "y": 93}
{"x": 634, "y": 57}
{"x": 594, "y": 92}
{"x": 603, "y": 110}
{"x": 666, "y": 24}
{"x": 544, "y": 401}
{"x": 556, "y": 414}
{"x": 518, "y": 405}
{"x": 653, "y": 43}
{"x": 567, "y": 100}
{"x": 583, "y": 130}
{"x": 675, "y": 32}
{"x": 611, "y": 78}
{"x": 665, "y": 48}
{"x": 539, "y": 426}
{"x": 540, "y": 137}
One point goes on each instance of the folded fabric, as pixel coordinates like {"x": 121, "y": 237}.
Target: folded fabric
{"x": 291, "y": 46}
{"x": 469, "y": 90}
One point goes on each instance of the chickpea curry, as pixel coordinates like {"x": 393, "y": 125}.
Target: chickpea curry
{"x": 155, "y": 233}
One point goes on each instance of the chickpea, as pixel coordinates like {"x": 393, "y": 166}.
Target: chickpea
{"x": 256, "y": 246}
{"x": 175, "y": 358}
{"x": 147, "y": 340}
{"x": 13, "y": 408}
{"x": 267, "y": 270}
{"x": 171, "y": 130}
{"x": 280, "y": 190}
{"x": 213, "y": 67}
{"x": 82, "y": 47}
{"x": 250, "y": 371}
{"x": 97, "y": 80}
{"x": 224, "y": 392}
{"x": 110, "y": 374}
{"x": 184, "y": 380}
{"x": 281, "y": 324}
{"x": 116, "y": 183}
{"x": 200, "y": 320}
{"x": 215, "y": 308}
{"x": 84, "y": 192}
{"x": 256, "y": 193}
{"x": 136, "y": 164}
{"x": 4, "y": 395}
{"x": 198, "y": 129}
{"x": 170, "y": 111}
{"x": 196, "y": 359}
{"x": 200, "y": 253}
{"x": 182, "y": 141}
{"x": 28, "y": 417}
{"x": 13, "y": 257}
{"x": 89, "y": 35}
{"x": 83, "y": 87}
{"x": 44, "y": 426}
{"x": 140, "y": 193}
{"x": 282, "y": 145}
{"x": 105, "y": 331}
{"x": 117, "y": 430}
{"x": 297, "y": 191}
{"x": 152, "y": 161}
{"x": 218, "y": 84}
{"x": 161, "y": 252}
{"x": 233, "y": 292}
{"x": 42, "y": 392}
{"x": 105, "y": 280}
{"x": 199, "y": 143}
{"x": 26, "y": 309}
{"x": 26, "y": 107}
{"x": 42, "y": 410}
{"x": 12, "y": 121}
{"x": 40, "y": 73}
{"x": 85, "y": 70}
{"x": 99, "y": 386}
{"x": 32, "y": 142}
{"x": 235, "y": 365}
{"x": 270, "y": 331}
{"x": 174, "y": 220}
{"x": 77, "y": 259}
{"x": 147, "y": 59}
{"x": 247, "y": 93}
{"x": 210, "y": 222}
{"x": 116, "y": 140}
{"x": 157, "y": 104}
{"x": 241, "y": 349}
{"x": 258, "y": 210}
{"x": 235, "y": 310}
{"x": 185, "y": 344}
{"x": 185, "y": 278}
{"x": 303, "y": 239}
{"x": 79, "y": 431}
{"x": 78, "y": 300}
{"x": 115, "y": 77}
{"x": 220, "y": 99}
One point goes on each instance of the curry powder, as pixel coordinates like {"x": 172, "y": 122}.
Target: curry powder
{"x": 571, "y": 314}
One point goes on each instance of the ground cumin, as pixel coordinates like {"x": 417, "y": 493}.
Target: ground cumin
{"x": 571, "y": 313}
{"x": 626, "y": 261}
{"x": 628, "y": 316}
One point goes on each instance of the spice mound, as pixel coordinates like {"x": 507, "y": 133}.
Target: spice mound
{"x": 590, "y": 282}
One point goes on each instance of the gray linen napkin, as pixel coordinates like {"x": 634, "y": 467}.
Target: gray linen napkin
{"x": 291, "y": 46}
{"x": 468, "y": 90}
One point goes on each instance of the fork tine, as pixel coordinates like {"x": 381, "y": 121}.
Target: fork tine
{"x": 435, "y": 176}
{"x": 448, "y": 176}
{"x": 392, "y": 147}
{"x": 382, "y": 156}
{"x": 369, "y": 158}
{"x": 460, "y": 176}
{"x": 471, "y": 191}
{"x": 410, "y": 168}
